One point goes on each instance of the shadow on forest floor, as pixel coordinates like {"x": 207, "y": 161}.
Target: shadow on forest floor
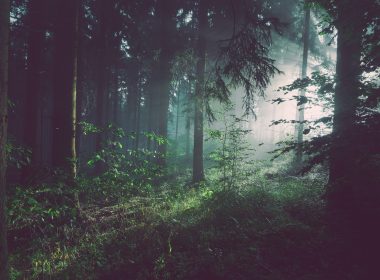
{"x": 269, "y": 230}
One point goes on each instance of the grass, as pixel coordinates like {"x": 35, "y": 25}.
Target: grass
{"x": 269, "y": 229}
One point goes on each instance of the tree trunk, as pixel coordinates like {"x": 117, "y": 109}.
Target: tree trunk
{"x": 81, "y": 78}
{"x": 138, "y": 110}
{"x": 178, "y": 115}
{"x": 101, "y": 90}
{"x": 342, "y": 156}
{"x": 166, "y": 14}
{"x": 4, "y": 44}
{"x": 350, "y": 211}
{"x": 73, "y": 155}
{"x": 37, "y": 15}
{"x": 188, "y": 127}
{"x": 189, "y": 105}
{"x": 65, "y": 79}
{"x": 198, "y": 172}
{"x": 301, "y": 109}
{"x": 132, "y": 101}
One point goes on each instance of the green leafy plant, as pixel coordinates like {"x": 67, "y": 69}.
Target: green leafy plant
{"x": 124, "y": 171}
{"x": 233, "y": 153}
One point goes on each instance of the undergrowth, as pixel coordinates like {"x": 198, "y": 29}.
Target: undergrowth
{"x": 267, "y": 229}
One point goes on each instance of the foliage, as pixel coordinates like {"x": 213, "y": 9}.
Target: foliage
{"x": 322, "y": 86}
{"x": 38, "y": 213}
{"x": 209, "y": 233}
{"x": 233, "y": 154}
{"x": 18, "y": 156}
{"x": 123, "y": 171}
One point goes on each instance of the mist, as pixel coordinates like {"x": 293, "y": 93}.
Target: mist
{"x": 189, "y": 139}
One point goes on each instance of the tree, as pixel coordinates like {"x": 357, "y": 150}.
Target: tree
{"x": 353, "y": 193}
{"x": 199, "y": 96}
{"x": 103, "y": 38}
{"x": 343, "y": 154}
{"x": 36, "y": 18}
{"x": 301, "y": 110}
{"x": 161, "y": 76}
{"x": 4, "y": 41}
{"x": 65, "y": 82}
{"x": 238, "y": 55}
{"x": 133, "y": 101}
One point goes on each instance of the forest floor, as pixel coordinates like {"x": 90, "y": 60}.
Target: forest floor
{"x": 269, "y": 228}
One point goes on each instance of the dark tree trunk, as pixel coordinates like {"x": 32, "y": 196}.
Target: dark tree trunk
{"x": 101, "y": 87}
{"x": 116, "y": 96}
{"x": 65, "y": 78}
{"x": 189, "y": 113}
{"x": 352, "y": 199}
{"x": 152, "y": 105}
{"x": 37, "y": 16}
{"x": 81, "y": 83}
{"x": 137, "y": 122}
{"x": 4, "y": 43}
{"x": 160, "y": 79}
{"x": 188, "y": 140}
{"x": 198, "y": 172}
{"x": 178, "y": 107}
{"x": 166, "y": 13}
{"x": 346, "y": 99}
{"x": 133, "y": 101}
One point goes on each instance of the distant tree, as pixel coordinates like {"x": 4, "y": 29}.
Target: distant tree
{"x": 199, "y": 96}
{"x": 161, "y": 76}
{"x": 301, "y": 107}
{"x": 133, "y": 101}
{"x": 237, "y": 55}
{"x": 4, "y": 41}
{"x": 103, "y": 11}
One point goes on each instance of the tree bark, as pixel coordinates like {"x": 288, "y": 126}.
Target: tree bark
{"x": 73, "y": 156}
{"x": 65, "y": 79}
{"x": 101, "y": 90}
{"x": 301, "y": 109}
{"x": 133, "y": 101}
{"x": 342, "y": 156}
{"x": 166, "y": 13}
{"x": 4, "y": 45}
{"x": 189, "y": 111}
{"x": 198, "y": 172}
{"x": 351, "y": 209}
{"x": 37, "y": 16}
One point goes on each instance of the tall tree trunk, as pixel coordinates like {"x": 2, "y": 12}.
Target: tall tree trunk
{"x": 102, "y": 71}
{"x": 178, "y": 114}
{"x": 116, "y": 95}
{"x": 198, "y": 172}
{"x": 350, "y": 211}
{"x": 138, "y": 110}
{"x": 81, "y": 75}
{"x": 188, "y": 140}
{"x": 132, "y": 101}
{"x": 37, "y": 16}
{"x": 65, "y": 79}
{"x": 150, "y": 100}
{"x": 4, "y": 44}
{"x": 342, "y": 156}
{"x": 189, "y": 105}
{"x": 301, "y": 109}
{"x": 73, "y": 155}
{"x": 166, "y": 13}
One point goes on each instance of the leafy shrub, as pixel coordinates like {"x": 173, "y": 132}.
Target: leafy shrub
{"x": 123, "y": 171}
